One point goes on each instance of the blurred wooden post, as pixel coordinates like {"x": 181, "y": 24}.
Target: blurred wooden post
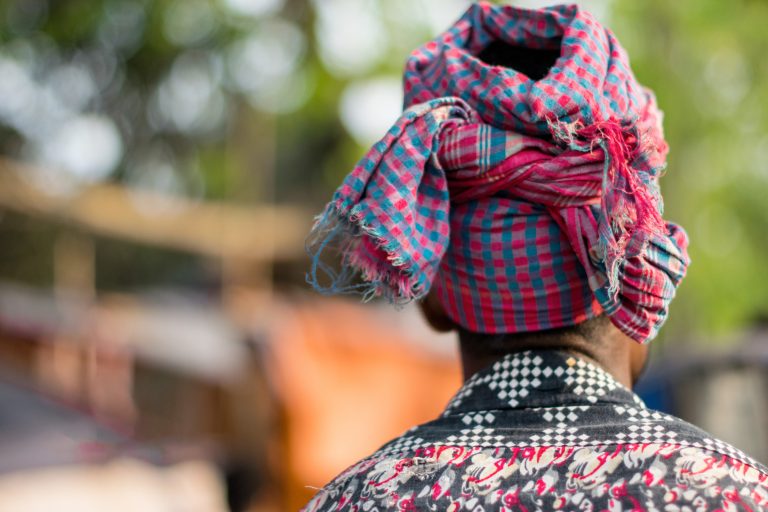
{"x": 245, "y": 281}
{"x": 74, "y": 265}
{"x": 61, "y": 363}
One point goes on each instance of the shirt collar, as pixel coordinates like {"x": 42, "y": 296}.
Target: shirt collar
{"x": 539, "y": 378}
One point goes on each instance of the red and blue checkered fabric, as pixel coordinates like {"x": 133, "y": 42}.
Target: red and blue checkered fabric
{"x": 527, "y": 205}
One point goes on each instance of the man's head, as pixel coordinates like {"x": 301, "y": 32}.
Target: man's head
{"x": 519, "y": 189}
{"x": 596, "y": 338}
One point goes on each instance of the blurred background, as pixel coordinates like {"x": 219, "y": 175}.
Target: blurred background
{"x": 161, "y": 163}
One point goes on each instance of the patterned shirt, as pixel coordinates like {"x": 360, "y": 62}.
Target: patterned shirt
{"x": 543, "y": 430}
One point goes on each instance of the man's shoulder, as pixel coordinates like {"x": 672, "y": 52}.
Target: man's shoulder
{"x": 692, "y": 436}
{"x": 690, "y": 468}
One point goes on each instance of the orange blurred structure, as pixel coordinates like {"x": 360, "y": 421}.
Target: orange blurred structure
{"x": 352, "y": 377}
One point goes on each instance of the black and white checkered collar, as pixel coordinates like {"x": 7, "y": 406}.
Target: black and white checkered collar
{"x": 539, "y": 378}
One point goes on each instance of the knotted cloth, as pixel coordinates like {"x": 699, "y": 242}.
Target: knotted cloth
{"x": 526, "y": 204}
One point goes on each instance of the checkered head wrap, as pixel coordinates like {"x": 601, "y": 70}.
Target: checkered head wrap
{"x": 523, "y": 204}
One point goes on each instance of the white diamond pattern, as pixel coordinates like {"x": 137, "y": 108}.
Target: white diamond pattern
{"x": 516, "y": 379}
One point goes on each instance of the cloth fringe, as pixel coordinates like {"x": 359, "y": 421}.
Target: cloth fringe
{"x": 342, "y": 233}
{"x": 630, "y": 209}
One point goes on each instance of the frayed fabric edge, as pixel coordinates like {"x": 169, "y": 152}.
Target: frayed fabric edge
{"x": 616, "y": 229}
{"x": 340, "y": 231}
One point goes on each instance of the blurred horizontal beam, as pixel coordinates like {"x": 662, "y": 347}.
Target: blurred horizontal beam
{"x": 216, "y": 229}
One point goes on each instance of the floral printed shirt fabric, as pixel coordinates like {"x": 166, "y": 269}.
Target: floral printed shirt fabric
{"x": 543, "y": 430}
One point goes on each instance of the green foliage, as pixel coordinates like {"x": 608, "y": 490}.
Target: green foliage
{"x": 705, "y": 59}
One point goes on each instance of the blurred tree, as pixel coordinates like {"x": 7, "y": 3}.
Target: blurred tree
{"x": 275, "y": 100}
{"x": 705, "y": 59}
{"x": 200, "y": 98}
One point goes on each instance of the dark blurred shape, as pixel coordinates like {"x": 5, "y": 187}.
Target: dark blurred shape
{"x": 534, "y": 62}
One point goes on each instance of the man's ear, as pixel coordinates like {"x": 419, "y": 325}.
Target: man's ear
{"x": 435, "y": 314}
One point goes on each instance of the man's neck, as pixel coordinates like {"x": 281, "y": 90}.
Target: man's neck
{"x": 620, "y": 357}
